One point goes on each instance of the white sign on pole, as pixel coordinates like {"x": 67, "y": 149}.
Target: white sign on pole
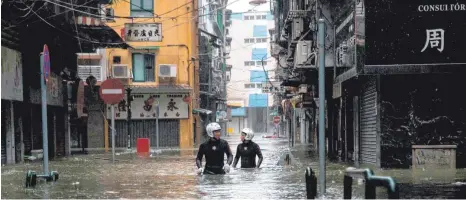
{"x": 150, "y": 32}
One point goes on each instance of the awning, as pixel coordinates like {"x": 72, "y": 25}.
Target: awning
{"x": 201, "y": 111}
{"x": 93, "y": 32}
{"x": 144, "y": 89}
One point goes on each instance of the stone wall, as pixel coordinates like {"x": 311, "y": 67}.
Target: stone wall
{"x": 426, "y": 109}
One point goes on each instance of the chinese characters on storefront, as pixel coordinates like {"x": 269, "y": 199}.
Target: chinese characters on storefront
{"x": 143, "y": 32}
{"x": 429, "y": 32}
{"x": 144, "y": 106}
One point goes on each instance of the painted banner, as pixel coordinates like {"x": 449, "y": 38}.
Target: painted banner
{"x": 144, "y": 106}
{"x": 12, "y": 75}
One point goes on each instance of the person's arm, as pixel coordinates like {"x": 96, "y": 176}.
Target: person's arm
{"x": 229, "y": 154}
{"x": 236, "y": 157}
{"x": 259, "y": 154}
{"x": 200, "y": 154}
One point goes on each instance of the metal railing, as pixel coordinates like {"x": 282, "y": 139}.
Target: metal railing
{"x": 371, "y": 183}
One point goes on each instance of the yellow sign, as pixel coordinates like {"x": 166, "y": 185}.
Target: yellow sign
{"x": 230, "y": 130}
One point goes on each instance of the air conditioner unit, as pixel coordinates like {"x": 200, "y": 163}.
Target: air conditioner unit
{"x": 297, "y": 27}
{"x": 107, "y": 14}
{"x": 120, "y": 71}
{"x": 302, "y": 54}
{"x": 167, "y": 70}
{"x": 302, "y": 89}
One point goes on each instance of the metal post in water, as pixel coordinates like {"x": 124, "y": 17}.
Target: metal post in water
{"x": 45, "y": 142}
{"x": 321, "y": 46}
{"x": 157, "y": 125}
{"x": 113, "y": 133}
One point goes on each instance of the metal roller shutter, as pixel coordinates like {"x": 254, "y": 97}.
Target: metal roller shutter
{"x": 368, "y": 120}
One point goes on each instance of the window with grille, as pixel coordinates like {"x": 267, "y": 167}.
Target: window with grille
{"x": 143, "y": 67}
{"x": 142, "y": 8}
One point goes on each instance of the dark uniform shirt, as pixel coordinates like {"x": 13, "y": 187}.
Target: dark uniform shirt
{"x": 214, "y": 155}
{"x": 247, "y": 152}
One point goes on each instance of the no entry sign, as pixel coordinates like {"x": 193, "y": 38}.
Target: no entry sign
{"x": 276, "y": 119}
{"x": 46, "y": 61}
{"x": 112, "y": 91}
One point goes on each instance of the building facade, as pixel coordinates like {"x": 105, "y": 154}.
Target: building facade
{"x": 386, "y": 88}
{"x": 157, "y": 71}
{"x": 252, "y": 67}
{"x": 212, "y": 68}
{"x": 24, "y": 35}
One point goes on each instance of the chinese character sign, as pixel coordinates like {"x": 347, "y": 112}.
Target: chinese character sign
{"x": 435, "y": 38}
{"x": 143, "y": 32}
{"x": 144, "y": 106}
{"x": 414, "y": 32}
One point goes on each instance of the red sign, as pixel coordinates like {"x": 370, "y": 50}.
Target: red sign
{"x": 112, "y": 91}
{"x": 46, "y": 61}
{"x": 276, "y": 119}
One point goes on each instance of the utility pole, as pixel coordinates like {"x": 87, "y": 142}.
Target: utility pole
{"x": 321, "y": 45}
{"x": 222, "y": 50}
{"x": 128, "y": 120}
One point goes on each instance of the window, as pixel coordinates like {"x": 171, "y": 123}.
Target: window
{"x": 249, "y": 85}
{"x": 248, "y": 17}
{"x": 259, "y": 31}
{"x": 259, "y": 85}
{"x": 258, "y": 76}
{"x": 249, "y": 63}
{"x": 259, "y": 54}
{"x": 249, "y": 40}
{"x": 261, "y": 40}
{"x": 259, "y": 63}
{"x": 143, "y": 67}
{"x": 142, "y": 8}
{"x": 261, "y": 16}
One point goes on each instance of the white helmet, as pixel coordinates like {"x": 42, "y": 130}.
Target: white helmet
{"x": 249, "y": 133}
{"x": 211, "y": 128}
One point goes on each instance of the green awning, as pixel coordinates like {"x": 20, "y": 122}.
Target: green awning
{"x": 202, "y": 111}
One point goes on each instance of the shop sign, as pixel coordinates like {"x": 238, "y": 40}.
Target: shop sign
{"x": 144, "y": 106}
{"x": 151, "y": 32}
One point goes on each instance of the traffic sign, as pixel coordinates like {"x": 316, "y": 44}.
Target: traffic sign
{"x": 276, "y": 119}
{"x": 112, "y": 91}
{"x": 46, "y": 61}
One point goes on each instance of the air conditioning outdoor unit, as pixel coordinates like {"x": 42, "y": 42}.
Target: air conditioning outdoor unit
{"x": 302, "y": 89}
{"x": 107, "y": 14}
{"x": 120, "y": 71}
{"x": 302, "y": 54}
{"x": 167, "y": 70}
{"x": 297, "y": 27}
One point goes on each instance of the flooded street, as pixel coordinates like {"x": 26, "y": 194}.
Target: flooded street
{"x": 172, "y": 175}
{"x": 168, "y": 175}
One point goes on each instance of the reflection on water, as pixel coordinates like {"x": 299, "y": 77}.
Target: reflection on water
{"x": 173, "y": 175}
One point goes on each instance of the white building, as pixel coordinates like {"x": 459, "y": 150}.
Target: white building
{"x": 250, "y": 45}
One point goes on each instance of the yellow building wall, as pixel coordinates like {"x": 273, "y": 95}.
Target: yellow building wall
{"x": 177, "y": 29}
